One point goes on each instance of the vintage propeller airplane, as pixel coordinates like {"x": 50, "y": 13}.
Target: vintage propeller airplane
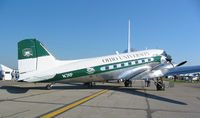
{"x": 37, "y": 64}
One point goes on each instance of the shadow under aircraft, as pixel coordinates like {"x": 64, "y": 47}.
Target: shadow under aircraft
{"x": 132, "y": 91}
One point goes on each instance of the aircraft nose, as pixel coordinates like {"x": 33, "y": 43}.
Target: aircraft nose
{"x": 168, "y": 59}
{"x": 164, "y": 59}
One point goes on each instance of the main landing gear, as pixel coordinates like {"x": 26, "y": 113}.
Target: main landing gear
{"x": 160, "y": 86}
{"x": 90, "y": 84}
{"x": 49, "y": 86}
{"x": 128, "y": 83}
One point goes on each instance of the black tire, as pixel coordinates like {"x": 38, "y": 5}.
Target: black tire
{"x": 158, "y": 87}
{"x": 90, "y": 84}
{"x": 48, "y": 86}
{"x": 126, "y": 84}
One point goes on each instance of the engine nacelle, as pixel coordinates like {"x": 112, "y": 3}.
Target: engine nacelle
{"x": 160, "y": 70}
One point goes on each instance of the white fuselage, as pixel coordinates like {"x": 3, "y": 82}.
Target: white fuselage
{"x": 95, "y": 69}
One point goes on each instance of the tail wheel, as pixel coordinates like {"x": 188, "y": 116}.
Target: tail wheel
{"x": 49, "y": 86}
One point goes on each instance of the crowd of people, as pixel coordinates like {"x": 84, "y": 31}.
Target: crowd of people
{"x": 14, "y": 75}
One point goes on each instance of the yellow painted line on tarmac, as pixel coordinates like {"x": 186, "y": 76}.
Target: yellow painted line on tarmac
{"x": 61, "y": 110}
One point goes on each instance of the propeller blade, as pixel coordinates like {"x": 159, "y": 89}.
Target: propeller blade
{"x": 182, "y": 63}
{"x": 170, "y": 61}
{"x": 171, "y": 64}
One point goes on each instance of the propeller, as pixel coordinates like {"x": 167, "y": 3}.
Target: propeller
{"x": 182, "y": 63}
{"x": 170, "y": 61}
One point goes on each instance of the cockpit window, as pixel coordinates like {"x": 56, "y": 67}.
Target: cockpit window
{"x": 164, "y": 54}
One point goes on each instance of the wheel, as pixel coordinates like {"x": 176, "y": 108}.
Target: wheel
{"x": 90, "y": 84}
{"x": 125, "y": 83}
{"x": 160, "y": 87}
{"x": 128, "y": 83}
{"x": 49, "y": 86}
{"x": 157, "y": 87}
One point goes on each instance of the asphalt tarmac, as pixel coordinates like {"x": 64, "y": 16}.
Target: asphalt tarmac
{"x": 105, "y": 100}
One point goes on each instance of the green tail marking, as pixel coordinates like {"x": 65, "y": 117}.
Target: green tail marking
{"x": 31, "y": 48}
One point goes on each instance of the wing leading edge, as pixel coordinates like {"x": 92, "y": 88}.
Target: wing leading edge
{"x": 183, "y": 70}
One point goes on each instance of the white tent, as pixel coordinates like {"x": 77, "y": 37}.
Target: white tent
{"x": 6, "y": 71}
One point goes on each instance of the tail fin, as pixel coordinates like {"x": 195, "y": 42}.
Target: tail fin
{"x": 33, "y": 56}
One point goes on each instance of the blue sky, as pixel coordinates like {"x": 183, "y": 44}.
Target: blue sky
{"x": 73, "y": 29}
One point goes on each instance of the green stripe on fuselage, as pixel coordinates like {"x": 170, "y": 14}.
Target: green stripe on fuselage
{"x": 97, "y": 70}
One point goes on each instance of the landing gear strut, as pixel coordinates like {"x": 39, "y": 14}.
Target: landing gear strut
{"x": 128, "y": 83}
{"x": 49, "y": 86}
{"x": 160, "y": 86}
{"x": 90, "y": 84}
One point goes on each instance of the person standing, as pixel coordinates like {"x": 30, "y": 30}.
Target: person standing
{"x": 13, "y": 75}
{"x": 148, "y": 82}
{"x": 17, "y": 75}
{"x": 0, "y": 75}
{"x": 145, "y": 82}
{"x": 175, "y": 77}
{"x": 3, "y": 75}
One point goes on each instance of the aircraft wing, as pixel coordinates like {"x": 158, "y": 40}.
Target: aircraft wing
{"x": 133, "y": 72}
{"x": 183, "y": 70}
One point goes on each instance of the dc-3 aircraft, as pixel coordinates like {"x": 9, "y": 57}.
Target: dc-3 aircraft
{"x": 37, "y": 64}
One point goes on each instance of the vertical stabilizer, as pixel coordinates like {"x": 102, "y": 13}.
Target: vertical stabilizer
{"x": 33, "y": 56}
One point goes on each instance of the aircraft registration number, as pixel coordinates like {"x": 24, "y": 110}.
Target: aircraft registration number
{"x": 67, "y": 75}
